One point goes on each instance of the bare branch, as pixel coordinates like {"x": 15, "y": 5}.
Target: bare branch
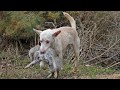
{"x": 104, "y": 52}
{"x": 113, "y": 65}
{"x": 107, "y": 58}
{"x": 51, "y": 23}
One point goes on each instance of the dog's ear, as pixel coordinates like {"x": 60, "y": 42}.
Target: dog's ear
{"x": 56, "y": 33}
{"x": 37, "y": 31}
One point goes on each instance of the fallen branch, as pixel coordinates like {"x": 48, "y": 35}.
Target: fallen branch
{"x": 107, "y": 58}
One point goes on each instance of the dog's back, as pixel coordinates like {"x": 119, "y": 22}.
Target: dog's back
{"x": 68, "y": 35}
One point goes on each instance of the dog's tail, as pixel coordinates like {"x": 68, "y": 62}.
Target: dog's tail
{"x": 71, "y": 19}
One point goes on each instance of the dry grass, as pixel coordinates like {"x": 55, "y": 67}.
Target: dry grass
{"x": 100, "y": 45}
{"x": 12, "y": 67}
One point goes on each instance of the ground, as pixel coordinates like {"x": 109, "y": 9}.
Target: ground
{"x": 15, "y": 70}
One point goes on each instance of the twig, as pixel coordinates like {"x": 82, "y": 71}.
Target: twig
{"x": 35, "y": 38}
{"x": 51, "y": 23}
{"x": 104, "y": 52}
{"x": 113, "y": 65}
{"x": 72, "y": 58}
{"x": 107, "y": 58}
{"x": 20, "y": 45}
{"x": 38, "y": 40}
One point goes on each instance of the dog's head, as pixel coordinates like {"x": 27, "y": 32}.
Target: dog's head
{"x": 46, "y": 38}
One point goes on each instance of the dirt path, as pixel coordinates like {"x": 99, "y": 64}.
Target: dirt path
{"x": 112, "y": 76}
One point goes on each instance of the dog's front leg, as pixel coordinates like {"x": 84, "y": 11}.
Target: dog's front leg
{"x": 55, "y": 68}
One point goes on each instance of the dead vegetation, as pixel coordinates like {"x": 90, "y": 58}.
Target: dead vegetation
{"x": 99, "y": 32}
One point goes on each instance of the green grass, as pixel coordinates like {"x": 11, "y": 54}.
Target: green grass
{"x": 92, "y": 71}
{"x": 86, "y": 71}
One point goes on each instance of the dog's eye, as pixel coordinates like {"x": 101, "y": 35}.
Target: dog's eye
{"x": 47, "y": 41}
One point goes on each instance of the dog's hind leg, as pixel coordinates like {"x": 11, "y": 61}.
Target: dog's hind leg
{"x": 76, "y": 46}
{"x": 61, "y": 58}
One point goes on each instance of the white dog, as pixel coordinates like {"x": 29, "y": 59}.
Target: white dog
{"x": 59, "y": 38}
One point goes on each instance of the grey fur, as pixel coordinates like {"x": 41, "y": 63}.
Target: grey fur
{"x": 32, "y": 51}
{"x": 50, "y": 58}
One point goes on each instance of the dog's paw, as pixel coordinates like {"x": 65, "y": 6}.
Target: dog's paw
{"x": 55, "y": 74}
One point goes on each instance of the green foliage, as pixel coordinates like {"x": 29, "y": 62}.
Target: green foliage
{"x": 19, "y": 24}
{"x": 53, "y": 15}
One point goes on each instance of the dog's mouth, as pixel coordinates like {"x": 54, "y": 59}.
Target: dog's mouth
{"x": 42, "y": 52}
